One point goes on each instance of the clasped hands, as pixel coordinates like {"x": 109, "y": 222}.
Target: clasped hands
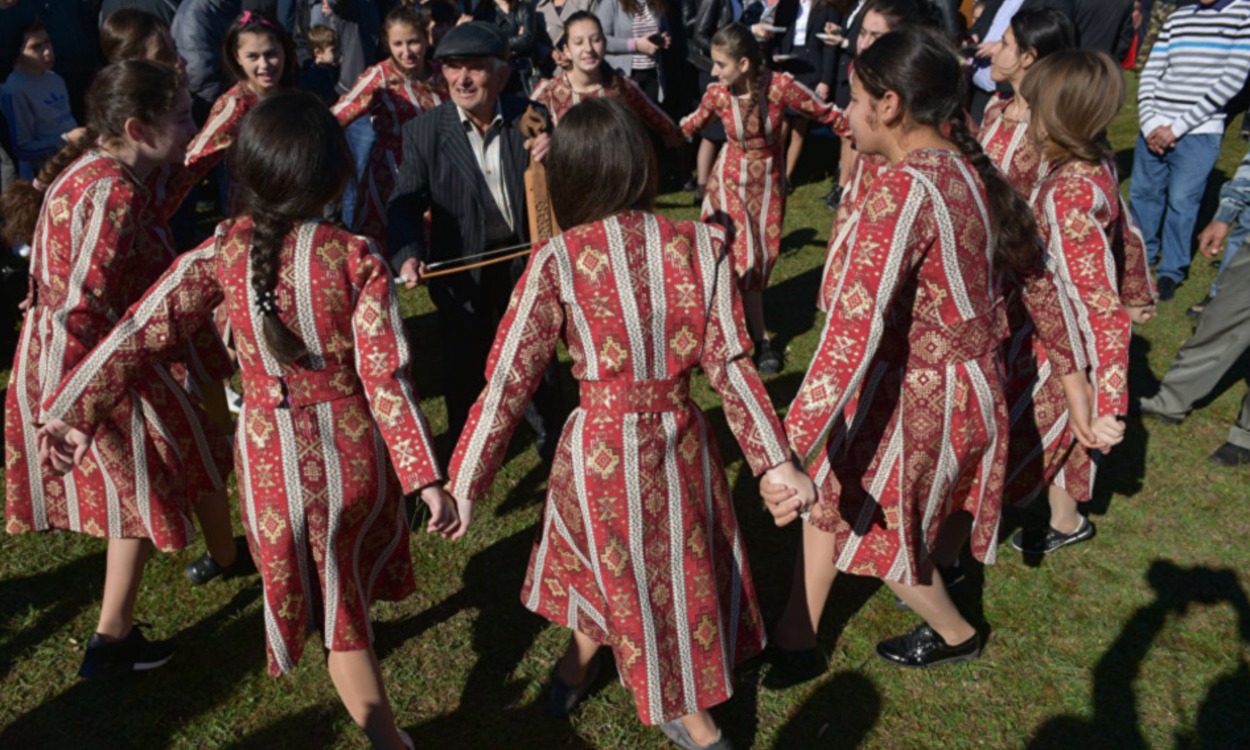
{"x": 1161, "y": 139}
{"x": 787, "y": 491}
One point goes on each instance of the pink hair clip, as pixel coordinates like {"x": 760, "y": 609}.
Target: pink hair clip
{"x": 250, "y": 17}
{"x": 38, "y": 184}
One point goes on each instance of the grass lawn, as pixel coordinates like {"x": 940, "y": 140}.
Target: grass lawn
{"x": 1139, "y": 639}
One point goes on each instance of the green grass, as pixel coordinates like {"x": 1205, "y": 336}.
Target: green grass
{"x": 1139, "y": 639}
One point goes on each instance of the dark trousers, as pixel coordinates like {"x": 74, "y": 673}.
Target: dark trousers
{"x": 468, "y": 319}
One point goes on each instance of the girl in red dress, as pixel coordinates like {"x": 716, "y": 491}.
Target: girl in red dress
{"x": 155, "y": 456}
{"x": 1103, "y": 284}
{"x": 591, "y": 76}
{"x": 639, "y": 549}
{"x": 745, "y": 193}
{"x": 324, "y": 361}
{"x": 391, "y": 93}
{"x": 1004, "y": 134}
{"x": 902, "y": 407}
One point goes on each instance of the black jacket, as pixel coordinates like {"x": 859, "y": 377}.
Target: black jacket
{"x": 982, "y": 26}
{"x": 440, "y": 173}
{"x": 817, "y": 62}
{"x": 709, "y": 17}
{"x": 1105, "y": 25}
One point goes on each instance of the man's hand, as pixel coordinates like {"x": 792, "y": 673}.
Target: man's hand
{"x": 538, "y": 147}
{"x": 561, "y": 59}
{"x": 986, "y": 50}
{"x": 1211, "y": 241}
{"x": 1161, "y": 139}
{"x": 822, "y": 91}
{"x": 412, "y": 273}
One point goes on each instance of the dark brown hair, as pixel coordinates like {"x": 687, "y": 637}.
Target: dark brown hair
{"x": 259, "y": 23}
{"x": 413, "y": 15}
{"x": 633, "y": 7}
{"x": 606, "y": 71}
{"x": 1073, "y": 96}
{"x": 125, "y": 33}
{"x": 141, "y": 89}
{"x": 601, "y": 163}
{"x": 321, "y": 36}
{"x": 291, "y": 159}
{"x": 922, "y": 68}
{"x": 737, "y": 41}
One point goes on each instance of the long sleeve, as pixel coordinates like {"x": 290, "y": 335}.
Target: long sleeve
{"x": 880, "y": 258}
{"x": 704, "y": 115}
{"x": 405, "y": 226}
{"x": 648, "y": 111}
{"x": 1148, "y": 81}
{"x": 1137, "y": 285}
{"x": 1081, "y": 257}
{"x": 617, "y": 40}
{"x": 172, "y": 311}
{"x": 1235, "y": 194}
{"x": 1231, "y": 78}
{"x": 727, "y": 361}
{"x": 383, "y": 364}
{"x": 804, "y": 101}
{"x": 359, "y": 101}
{"x": 524, "y": 345}
{"x": 217, "y": 135}
{"x": 1040, "y": 295}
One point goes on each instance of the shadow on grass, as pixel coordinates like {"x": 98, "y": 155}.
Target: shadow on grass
{"x": 1115, "y": 721}
{"x": 147, "y": 709}
{"x": 60, "y": 595}
{"x": 315, "y": 726}
{"x": 838, "y": 716}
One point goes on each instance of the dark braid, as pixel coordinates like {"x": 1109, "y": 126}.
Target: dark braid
{"x": 269, "y": 229}
{"x": 737, "y": 42}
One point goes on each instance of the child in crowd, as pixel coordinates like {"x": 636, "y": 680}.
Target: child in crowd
{"x": 639, "y": 549}
{"x": 746, "y": 193}
{"x": 36, "y": 104}
{"x": 322, "y": 76}
{"x": 325, "y": 363}
{"x": 392, "y": 92}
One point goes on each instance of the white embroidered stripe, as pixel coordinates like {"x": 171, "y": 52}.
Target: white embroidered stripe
{"x": 677, "y": 561}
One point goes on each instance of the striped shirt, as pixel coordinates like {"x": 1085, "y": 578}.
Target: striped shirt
{"x": 645, "y": 24}
{"x": 1200, "y": 61}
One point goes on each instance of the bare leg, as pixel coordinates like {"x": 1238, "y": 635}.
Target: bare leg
{"x": 702, "y": 727}
{"x": 753, "y": 301}
{"x": 1064, "y": 516}
{"x": 704, "y": 162}
{"x": 122, "y": 574}
{"x": 935, "y": 605}
{"x": 798, "y": 132}
{"x": 213, "y": 513}
{"x": 813, "y": 578}
{"x": 358, "y": 678}
{"x": 576, "y": 659}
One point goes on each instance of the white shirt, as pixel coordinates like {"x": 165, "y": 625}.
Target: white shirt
{"x": 486, "y": 150}
{"x": 998, "y": 28}
{"x": 800, "y": 23}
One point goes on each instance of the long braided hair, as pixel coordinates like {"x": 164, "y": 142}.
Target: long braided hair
{"x": 291, "y": 159}
{"x": 922, "y": 68}
{"x": 737, "y": 42}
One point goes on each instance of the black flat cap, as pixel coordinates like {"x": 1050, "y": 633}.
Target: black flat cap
{"x": 473, "y": 39}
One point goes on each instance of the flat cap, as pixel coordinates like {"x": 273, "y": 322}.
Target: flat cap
{"x": 473, "y": 39}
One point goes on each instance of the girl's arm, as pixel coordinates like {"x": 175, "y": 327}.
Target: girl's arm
{"x": 709, "y": 109}
{"x": 383, "y": 364}
{"x": 359, "y": 101}
{"x": 523, "y": 346}
{"x": 648, "y": 111}
{"x": 804, "y": 101}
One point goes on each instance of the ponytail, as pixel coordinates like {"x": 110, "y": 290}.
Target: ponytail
{"x": 269, "y": 229}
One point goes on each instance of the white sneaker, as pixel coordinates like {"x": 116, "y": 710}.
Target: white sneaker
{"x": 234, "y": 400}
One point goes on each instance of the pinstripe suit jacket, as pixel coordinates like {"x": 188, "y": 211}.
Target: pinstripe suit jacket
{"x": 440, "y": 173}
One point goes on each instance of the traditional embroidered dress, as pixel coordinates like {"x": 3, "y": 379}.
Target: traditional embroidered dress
{"x": 1011, "y": 146}
{"x": 639, "y": 548}
{"x": 155, "y": 454}
{"x": 902, "y": 406}
{"x": 208, "y": 148}
{"x": 1096, "y": 259}
{"x": 558, "y": 96}
{"x": 390, "y": 98}
{"x": 867, "y": 167}
{"x": 745, "y": 192}
{"x": 312, "y": 440}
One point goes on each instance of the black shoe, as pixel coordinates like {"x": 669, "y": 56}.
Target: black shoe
{"x": 1230, "y": 455}
{"x": 204, "y": 568}
{"x": 675, "y": 730}
{"x": 1196, "y": 311}
{"x": 1043, "y": 540}
{"x": 923, "y": 647}
{"x": 789, "y": 668}
{"x": 1167, "y": 289}
{"x": 833, "y": 198}
{"x": 953, "y": 576}
{"x": 767, "y": 360}
{"x": 565, "y": 697}
{"x": 134, "y": 653}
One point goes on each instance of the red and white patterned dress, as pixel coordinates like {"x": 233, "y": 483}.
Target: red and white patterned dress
{"x": 391, "y": 99}
{"x": 867, "y": 167}
{"x": 1095, "y": 258}
{"x": 558, "y": 96}
{"x": 155, "y": 452}
{"x": 902, "y": 406}
{"x": 1011, "y": 146}
{"x": 209, "y": 146}
{"x": 313, "y": 440}
{"x": 745, "y": 192}
{"x": 639, "y": 549}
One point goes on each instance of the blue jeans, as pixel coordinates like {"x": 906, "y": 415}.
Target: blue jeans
{"x": 1236, "y": 236}
{"x": 1164, "y": 195}
{"x": 360, "y": 138}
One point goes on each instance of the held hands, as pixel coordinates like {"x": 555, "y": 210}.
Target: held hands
{"x": 1093, "y": 433}
{"x": 1140, "y": 314}
{"x": 1211, "y": 241}
{"x": 444, "y": 520}
{"x": 787, "y": 491}
{"x": 62, "y": 447}
{"x": 822, "y": 91}
{"x": 464, "y": 509}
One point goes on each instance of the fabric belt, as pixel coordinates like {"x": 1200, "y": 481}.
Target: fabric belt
{"x": 301, "y": 388}
{"x": 635, "y": 396}
{"x": 936, "y": 346}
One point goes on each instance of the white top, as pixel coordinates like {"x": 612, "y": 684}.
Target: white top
{"x": 800, "y": 23}
{"x": 486, "y": 150}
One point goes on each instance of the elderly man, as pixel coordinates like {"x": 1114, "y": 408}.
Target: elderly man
{"x": 465, "y": 162}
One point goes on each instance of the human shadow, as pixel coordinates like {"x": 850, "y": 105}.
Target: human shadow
{"x": 838, "y": 716}
{"x": 1219, "y": 720}
{"x": 59, "y": 595}
{"x": 214, "y": 656}
{"x": 315, "y": 726}
{"x": 790, "y": 306}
